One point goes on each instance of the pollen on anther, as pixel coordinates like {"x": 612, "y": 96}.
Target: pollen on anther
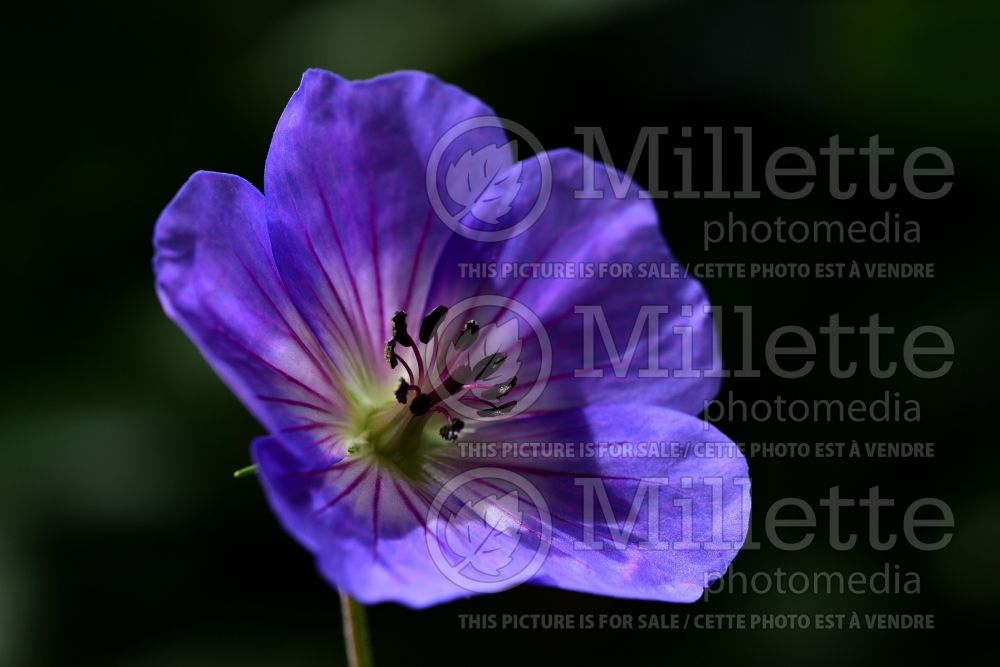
{"x": 497, "y": 411}
{"x": 402, "y": 390}
{"x": 467, "y": 336}
{"x": 399, "y": 331}
{"x": 390, "y": 353}
{"x": 500, "y": 390}
{"x": 451, "y": 430}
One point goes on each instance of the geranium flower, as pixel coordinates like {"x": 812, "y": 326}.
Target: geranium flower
{"x": 292, "y": 295}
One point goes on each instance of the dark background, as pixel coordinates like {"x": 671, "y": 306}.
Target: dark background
{"x": 123, "y": 538}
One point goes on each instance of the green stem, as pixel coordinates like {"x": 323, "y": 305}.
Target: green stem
{"x": 359, "y": 650}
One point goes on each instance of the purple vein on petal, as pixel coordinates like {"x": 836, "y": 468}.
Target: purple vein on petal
{"x": 292, "y": 402}
{"x": 288, "y": 327}
{"x": 409, "y": 504}
{"x": 328, "y": 213}
{"x": 417, "y": 256}
{"x": 310, "y": 425}
{"x": 354, "y": 336}
{"x": 319, "y": 443}
{"x": 350, "y": 487}
{"x": 346, "y": 317}
{"x": 425, "y": 497}
{"x": 276, "y": 274}
{"x": 512, "y": 295}
{"x": 372, "y": 219}
{"x": 375, "y": 507}
{"x": 341, "y": 466}
{"x": 254, "y": 355}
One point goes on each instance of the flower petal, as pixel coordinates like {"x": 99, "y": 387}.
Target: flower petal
{"x": 354, "y": 234}
{"x": 613, "y": 233}
{"x": 368, "y": 527}
{"x": 216, "y": 279}
{"x": 693, "y": 474}
{"x": 365, "y": 526}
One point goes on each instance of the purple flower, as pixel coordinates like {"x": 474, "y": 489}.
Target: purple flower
{"x": 292, "y": 295}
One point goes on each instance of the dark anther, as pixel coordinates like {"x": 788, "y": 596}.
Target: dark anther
{"x": 390, "y": 353}
{"x": 485, "y": 367}
{"x": 467, "y": 335}
{"x": 421, "y": 404}
{"x": 430, "y": 324}
{"x": 399, "y": 332}
{"x": 498, "y": 410}
{"x": 500, "y": 390}
{"x": 451, "y": 430}
{"x": 401, "y": 390}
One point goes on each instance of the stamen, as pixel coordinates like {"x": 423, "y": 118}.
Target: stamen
{"x": 409, "y": 371}
{"x": 477, "y": 385}
{"x": 467, "y": 336}
{"x": 470, "y": 399}
{"x": 390, "y": 353}
{"x": 428, "y": 327}
{"x": 445, "y": 382}
{"x": 497, "y": 410}
{"x": 401, "y": 335}
{"x": 399, "y": 332}
{"x": 489, "y": 365}
{"x": 441, "y": 411}
{"x": 420, "y": 365}
{"x": 500, "y": 390}
{"x": 451, "y": 430}
{"x": 421, "y": 404}
{"x": 402, "y": 390}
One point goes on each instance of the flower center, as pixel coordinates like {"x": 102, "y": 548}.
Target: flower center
{"x": 453, "y": 373}
{"x": 439, "y": 369}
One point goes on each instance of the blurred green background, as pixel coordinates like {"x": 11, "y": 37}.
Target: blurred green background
{"x": 123, "y": 538}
